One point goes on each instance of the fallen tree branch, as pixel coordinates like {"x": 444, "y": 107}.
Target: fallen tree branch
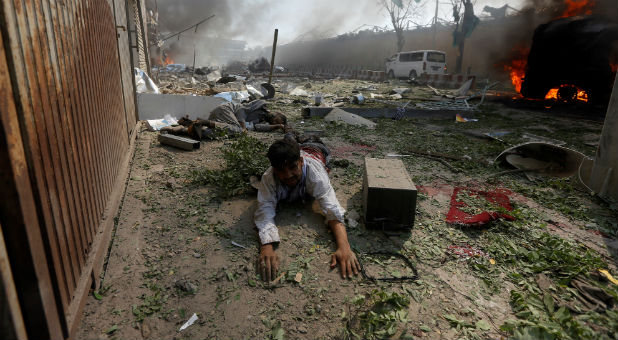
{"x": 446, "y": 156}
{"x": 513, "y": 171}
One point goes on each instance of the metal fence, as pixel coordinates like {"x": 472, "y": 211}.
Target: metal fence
{"x": 68, "y": 119}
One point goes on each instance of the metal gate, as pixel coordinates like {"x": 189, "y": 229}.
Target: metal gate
{"x": 67, "y": 125}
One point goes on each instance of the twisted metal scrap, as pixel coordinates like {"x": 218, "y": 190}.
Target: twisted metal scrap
{"x": 457, "y": 104}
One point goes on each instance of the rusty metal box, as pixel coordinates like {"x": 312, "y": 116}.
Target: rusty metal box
{"x": 389, "y": 195}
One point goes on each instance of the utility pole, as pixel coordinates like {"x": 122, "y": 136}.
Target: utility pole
{"x": 272, "y": 59}
{"x": 603, "y": 177}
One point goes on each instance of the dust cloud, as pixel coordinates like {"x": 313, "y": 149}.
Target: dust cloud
{"x": 221, "y": 38}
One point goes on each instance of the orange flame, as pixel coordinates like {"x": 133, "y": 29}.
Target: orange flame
{"x": 582, "y": 95}
{"x": 517, "y": 67}
{"x": 577, "y": 7}
{"x": 168, "y": 61}
{"x": 553, "y": 94}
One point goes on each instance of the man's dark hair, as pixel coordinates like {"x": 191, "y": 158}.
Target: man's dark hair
{"x": 276, "y": 118}
{"x": 283, "y": 153}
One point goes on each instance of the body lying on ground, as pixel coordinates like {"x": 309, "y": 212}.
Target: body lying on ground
{"x": 232, "y": 119}
{"x": 297, "y": 172}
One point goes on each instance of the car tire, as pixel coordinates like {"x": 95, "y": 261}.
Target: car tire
{"x": 391, "y": 74}
{"x": 413, "y": 74}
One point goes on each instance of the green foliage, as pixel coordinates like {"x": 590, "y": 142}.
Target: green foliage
{"x": 382, "y": 319}
{"x": 539, "y": 319}
{"x": 534, "y": 253}
{"x": 150, "y": 304}
{"x": 244, "y": 157}
{"x": 277, "y": 332}
{"x": 524, "y": 249}
{"x": 560, "y": 195}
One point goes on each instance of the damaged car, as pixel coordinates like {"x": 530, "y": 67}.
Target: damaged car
{"x": 572, "y": 59}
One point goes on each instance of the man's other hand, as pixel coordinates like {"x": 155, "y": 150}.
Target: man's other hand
{"x": 268, "y": 262}
{"x": 347, "y": 262}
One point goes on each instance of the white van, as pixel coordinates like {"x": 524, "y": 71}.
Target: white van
{"x": 414, "y": 63}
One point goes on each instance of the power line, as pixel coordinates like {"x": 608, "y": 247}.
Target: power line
{"x": 186, "y": 29}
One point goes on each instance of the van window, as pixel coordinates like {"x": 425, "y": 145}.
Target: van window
{"x": 418, "y": 56}
{"x": 405, "y": 56}
{"x": 436, "y": 57}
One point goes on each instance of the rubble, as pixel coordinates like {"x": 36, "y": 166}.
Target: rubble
{"x": 179, "y": 142}
{"x": 542, "y": 158}
{"x": 298, "y": 91}
{"x": 158, "y": 124}
{"x": 214, "y": 76}
{"x": 143, "y": 83}
{"x": 338, "y": 115}
{"x": 235, "y": 96}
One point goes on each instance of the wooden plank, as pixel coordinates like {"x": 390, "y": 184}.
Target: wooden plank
{"x": 58, "y": 119}
{"x": 128, "y": 20}
{"x": 59, "y": 74}
{"x": 43, "y": 115}
{"x": 22, "y": 241}
{"x": 126, "y": 68}
{"x": 9, "y": 297}
{"x": 36, "y": 149}
{"x": 113, "y": 91}
{"x": 66, "y": 74}
{"x": 101, "y": 112}
{"x": 179, "y": 142}
{"x": 94, "y": 264}
{"x": 82, "y": 108}
{"x": 122, "y": 143}
{"x": 65, "y": 125}
{"x": 89, "y": 112}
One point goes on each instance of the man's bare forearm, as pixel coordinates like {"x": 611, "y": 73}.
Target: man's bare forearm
{"x": 341, "y": 236}
{"x": 343, "y": 255}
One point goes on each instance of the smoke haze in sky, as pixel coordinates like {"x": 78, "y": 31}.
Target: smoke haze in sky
{"x": 255, "y": 20}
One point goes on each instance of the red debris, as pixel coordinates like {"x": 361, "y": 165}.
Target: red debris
{"x": 497, "y": 197}
{"x": 344, "y": 150}
{"x": 466, "y": 251}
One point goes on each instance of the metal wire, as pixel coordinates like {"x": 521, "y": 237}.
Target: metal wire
{"x": 388, "y": 279}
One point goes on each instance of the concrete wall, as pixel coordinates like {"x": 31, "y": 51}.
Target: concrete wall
{"x": 155, "y": 106}
{"x": 490, "y": 44}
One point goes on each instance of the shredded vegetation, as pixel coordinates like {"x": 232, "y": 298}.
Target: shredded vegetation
{"x": 474, "y": 202}
{"x": 523, "y": 266}
{"x": 523, "y": 251}
{"x": 377, "y": 315}
{"x": 518, "y": 252}
{"x": 244, "y": 157}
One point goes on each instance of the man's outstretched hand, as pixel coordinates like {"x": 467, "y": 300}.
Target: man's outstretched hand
{"x": 268, "y": 262}
{"x": 347, "y": 262}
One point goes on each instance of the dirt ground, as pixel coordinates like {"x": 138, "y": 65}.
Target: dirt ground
{"x": 179, "y": 248}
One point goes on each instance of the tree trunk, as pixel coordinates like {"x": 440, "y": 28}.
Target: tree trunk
{"x": 400, "y": 39}
{"x": 458, "y": 64}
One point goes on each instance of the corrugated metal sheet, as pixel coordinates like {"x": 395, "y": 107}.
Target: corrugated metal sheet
{"x": 75, "y": 120}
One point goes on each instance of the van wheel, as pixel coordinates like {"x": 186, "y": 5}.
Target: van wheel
{"x": 413, "y": 74}
{"x": 391, "y": 74}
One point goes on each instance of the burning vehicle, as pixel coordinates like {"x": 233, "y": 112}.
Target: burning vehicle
{"x": 572, "y": 59}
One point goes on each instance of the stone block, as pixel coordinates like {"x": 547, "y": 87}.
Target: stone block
{"x": 389, "y": 195}
{"x": 179, "y": 142}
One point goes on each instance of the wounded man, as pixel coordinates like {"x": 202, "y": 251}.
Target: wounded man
{"x": 296, "y": 172}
